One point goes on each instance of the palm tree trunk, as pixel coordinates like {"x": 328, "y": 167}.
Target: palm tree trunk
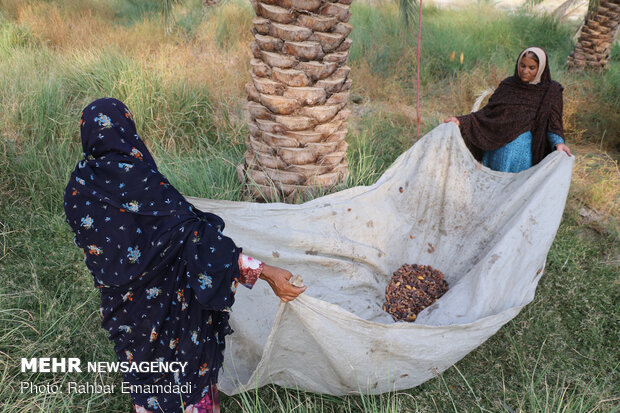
{"x": 596, "y": 37}
{"x": 297, "y": 98}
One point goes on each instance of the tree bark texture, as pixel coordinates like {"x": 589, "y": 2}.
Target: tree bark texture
{"x": 297, "y": 98}
{"x": 596, "y": 37}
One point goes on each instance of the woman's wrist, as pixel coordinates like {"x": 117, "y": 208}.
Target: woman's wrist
{"x": 265, "y": 272}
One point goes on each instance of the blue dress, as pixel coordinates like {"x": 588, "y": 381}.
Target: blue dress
{"x": 516, "y": 156}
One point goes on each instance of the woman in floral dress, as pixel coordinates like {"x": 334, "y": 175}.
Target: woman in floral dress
{"x": 166, "y": 273}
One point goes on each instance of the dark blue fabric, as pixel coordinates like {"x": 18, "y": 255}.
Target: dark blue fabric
{"x": 166, "y": 273}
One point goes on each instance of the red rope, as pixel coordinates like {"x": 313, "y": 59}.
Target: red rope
{"x": 417, "y": 104}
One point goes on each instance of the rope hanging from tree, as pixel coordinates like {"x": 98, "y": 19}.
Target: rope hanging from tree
{"x": 417, "y": 104}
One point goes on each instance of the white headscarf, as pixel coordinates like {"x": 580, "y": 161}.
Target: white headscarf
{"x": 542, "y": 62}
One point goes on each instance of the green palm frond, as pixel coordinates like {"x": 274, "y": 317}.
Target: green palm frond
{"x": 408, "y": 10}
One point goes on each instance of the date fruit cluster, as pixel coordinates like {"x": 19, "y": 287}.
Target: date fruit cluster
{"x": 412, "y": 289}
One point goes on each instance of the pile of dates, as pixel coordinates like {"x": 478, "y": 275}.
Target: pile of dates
{"x": 412, "y": 289}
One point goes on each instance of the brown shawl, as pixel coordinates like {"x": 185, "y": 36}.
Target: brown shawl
{"x": 515, "y": 108}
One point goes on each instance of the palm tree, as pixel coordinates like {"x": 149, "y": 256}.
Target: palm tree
{"x": 596, "y": 36}
{"x": 297, "y": 98}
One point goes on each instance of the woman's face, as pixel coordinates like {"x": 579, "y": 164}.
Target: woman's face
{"x": 527, "y": 69}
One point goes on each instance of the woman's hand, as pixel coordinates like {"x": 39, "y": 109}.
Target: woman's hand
{"x": 562, "y": 147}
{"x": 452, "y": 119}
{"x": 278, "y": 280}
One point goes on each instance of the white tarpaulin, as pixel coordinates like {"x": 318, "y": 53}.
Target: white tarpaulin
{"x": 488, "y": 232}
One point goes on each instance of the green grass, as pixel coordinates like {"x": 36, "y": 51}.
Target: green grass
{"x": 484, "y": 35}
{"x": 42, "y": 94}
{"x": 558, "y": 355}
{"x": 489, "y": 41}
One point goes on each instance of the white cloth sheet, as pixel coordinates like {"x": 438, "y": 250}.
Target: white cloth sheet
{"x": 488, "y": 232}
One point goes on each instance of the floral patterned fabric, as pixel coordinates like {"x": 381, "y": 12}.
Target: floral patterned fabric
{"x": 166, "y": 273}
{"x": 251, "y": 269}
{"x": 210, "y": 403}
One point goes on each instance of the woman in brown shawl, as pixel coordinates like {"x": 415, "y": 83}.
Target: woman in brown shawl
{"x": 522, "y": 123}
